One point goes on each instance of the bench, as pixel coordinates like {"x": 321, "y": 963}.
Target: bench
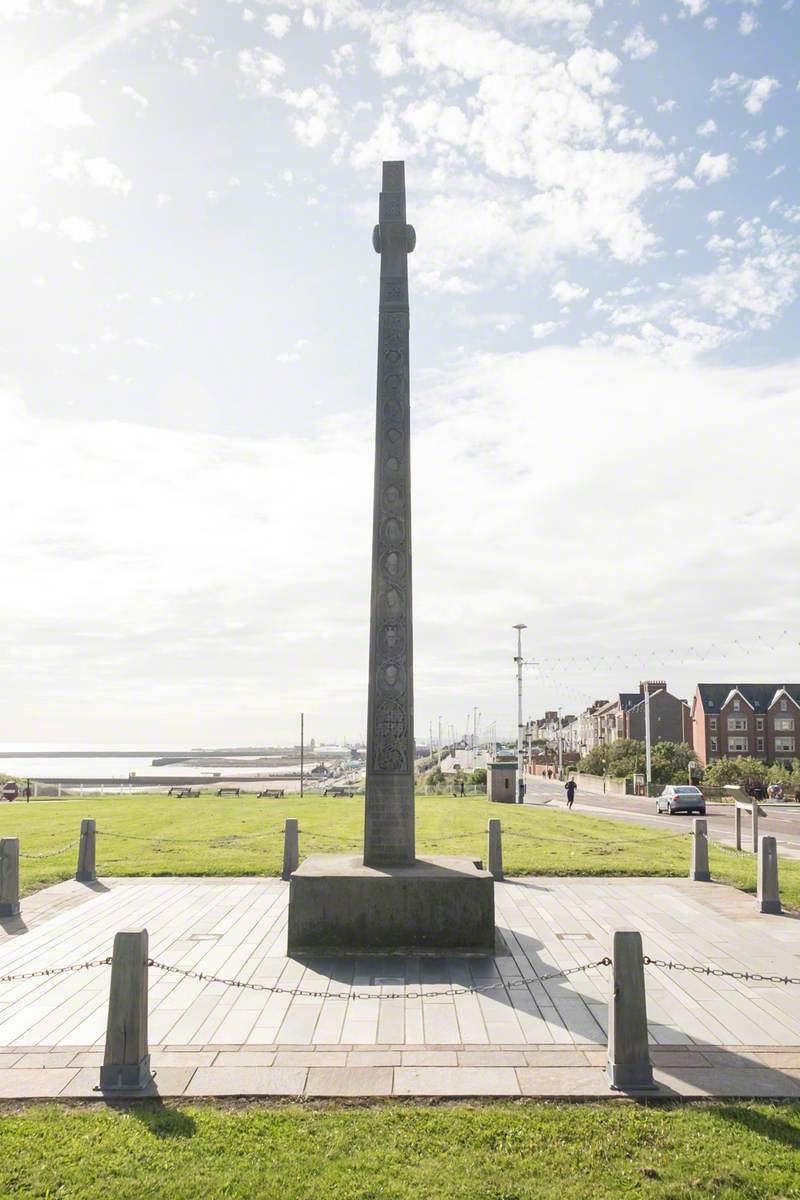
{"x": 229, "y": 791}
{"x": 181, "y": 792}
{"x": 276, "y": 792}
{"x": 338, "y": 791}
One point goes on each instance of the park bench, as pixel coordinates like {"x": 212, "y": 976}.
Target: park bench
{"x": 229, "y": 791}
{"x": 338, "y": 791}
{"x": 181, "y": 792}
{"x": 276, "y": 792}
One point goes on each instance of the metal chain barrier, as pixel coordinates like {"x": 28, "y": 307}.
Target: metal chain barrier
{"x": 717, "y": 972}
{"x": 53, "y": 853}
{"x": 46, "y": 972}
{"x": 409, "y": 994}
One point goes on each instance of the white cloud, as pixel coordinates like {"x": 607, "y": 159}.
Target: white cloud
{"x": 318, "y": 106}
{"x": 707, "y": 128}
{"x": 715, "y": 215}
{"x": 543, "y": 329}
{"x": 747, "y": 23}
{"x": 667, "y": 105}
{"x": 694, "y": 7}
{"x": 711, "y": 168}
{"x": 757, "y": 287}
{"x": 260, "y": 69}
{"x": 139, "y": 100}
{"x": 684, "y": 184}
{"x": 277, "y": 24}
{"x": 105, "y": 174}
{"x": 81, "y": 229}
{"x": 565, "y": 292}
{"x": 757, "y": 144}
{"x": 151, "y": 636}
{"x": 756, "y": 92}
{"x": 62, "y": 110}
{"x": 388, "y": 60}
{"x": 637, "y": 45}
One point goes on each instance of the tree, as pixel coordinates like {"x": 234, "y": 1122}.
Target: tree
{"x": 478, "y": 777}
{"x": 736, "y": 770}
{"x": 670, "y": 762}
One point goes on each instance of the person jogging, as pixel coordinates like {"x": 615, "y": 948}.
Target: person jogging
{"x": 570, "y": 787}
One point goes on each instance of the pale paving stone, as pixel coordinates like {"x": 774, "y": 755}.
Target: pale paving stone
{"x": 349, "y": 1081}
{"x": 374, "y": 1058}
{"x": 310, "y": 1058}
{"x": 455, "y": 1081}
{"x": 244, "y": 1058}
{"x": 563, "y": 1081}
{"x": 557, "y": 1058}
{"x": 31, "y": 1083}
{"x": 181, "y": 1058}
{"x": 8, "y": 1060}
{"x": 491, "y": 1058}
{"x": 48, "y": 1058}
{"x": 170, "y": 1081}
{"x": 728, "y": 1081}
{"x": 248, "y": 1081}
{"x": 430, "y": 1058}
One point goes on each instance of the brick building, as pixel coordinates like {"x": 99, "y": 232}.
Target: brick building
{"x": 624, "y": 717}
{"x": 733, "y": 720}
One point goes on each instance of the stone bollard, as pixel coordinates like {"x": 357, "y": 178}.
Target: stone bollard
{"x": 86, "y": 872}
{"x": 291, "y": 847}
{"x": 769, "y": 896}
{"x": 737, "y": 825}
{"x": 126, "y": 1062}
{"x": 628, "y": 1066}
{"x": 9, "y": 877}
{"x": 494, "y": 848}
{"x": 699, "y": 866}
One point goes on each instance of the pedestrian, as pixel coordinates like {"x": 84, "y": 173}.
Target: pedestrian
{"x": 461, "y": 793}
{"x": 28, "y": 791}
{"x": 570, "y": 787}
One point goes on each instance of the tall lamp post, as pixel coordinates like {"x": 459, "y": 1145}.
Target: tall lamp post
{"x": 520, "y": 726}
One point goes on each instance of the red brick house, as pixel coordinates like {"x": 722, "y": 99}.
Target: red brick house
{"x": 759, "y": 720}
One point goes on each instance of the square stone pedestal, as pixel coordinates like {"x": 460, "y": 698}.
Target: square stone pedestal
{"x": 435, "y": 906}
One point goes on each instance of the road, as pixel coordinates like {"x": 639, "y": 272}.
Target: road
{"x": 783, "y": 825}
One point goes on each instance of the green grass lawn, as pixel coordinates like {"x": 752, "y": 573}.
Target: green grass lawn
{"x": 517, "y": 1151}
{"x": 156, "y": 835}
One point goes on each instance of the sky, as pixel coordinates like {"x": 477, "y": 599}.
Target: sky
{"x": 605, "y": 375}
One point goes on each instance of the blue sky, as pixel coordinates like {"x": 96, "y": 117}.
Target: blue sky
{"x": 604, "y": 323}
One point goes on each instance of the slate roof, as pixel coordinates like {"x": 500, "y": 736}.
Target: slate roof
{"x": 760, "y": 695}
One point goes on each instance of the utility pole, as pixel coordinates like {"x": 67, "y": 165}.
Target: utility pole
{"x": 649, "y": 765}
{"x": 520, "y": 726}
{"x": 560, "y": 749}
{"x": 439, "y": 741}
{"x": 302, "y": 751}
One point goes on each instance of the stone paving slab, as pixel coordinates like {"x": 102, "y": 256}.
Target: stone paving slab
{"x": 709, "y": 1036}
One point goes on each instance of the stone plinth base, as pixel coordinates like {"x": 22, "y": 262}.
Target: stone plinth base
{"x": 437, "y": 905}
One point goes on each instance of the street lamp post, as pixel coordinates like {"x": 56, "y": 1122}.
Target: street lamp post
{"x": 560, "y": 749}
{"x": 439, "y": 742}
{"x": 648, "y": 762}
{"x": 520, "y": 727}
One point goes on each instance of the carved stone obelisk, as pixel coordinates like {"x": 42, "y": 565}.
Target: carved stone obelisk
{"x": 389, "y": 901}
{"x": 389, "y": 809}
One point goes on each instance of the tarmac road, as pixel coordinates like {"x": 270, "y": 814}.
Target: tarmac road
{"x": 783, "y": 823}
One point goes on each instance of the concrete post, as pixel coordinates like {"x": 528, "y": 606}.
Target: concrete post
{"x": 737, "y": 825}
{"x": 755, "y": 826}
{"x": 699, "y": 866}
{"x": 628, "y": 1066}
{"x": 9, "y": 877}
{"x": 494, "y": 848}
{"x": 291, "y": 847}
{"x": 86, "y": 872}
{"x": 126, "y": 1062}
{"x": 769, "y": 897}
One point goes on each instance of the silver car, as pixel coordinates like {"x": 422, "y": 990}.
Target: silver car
{"x": 678, "y": 799}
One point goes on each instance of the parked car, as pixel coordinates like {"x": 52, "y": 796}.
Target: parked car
{"x": 683, "y": 798}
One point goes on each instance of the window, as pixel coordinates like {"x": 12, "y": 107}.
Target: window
{"x": 783, "y": 706}
{"x": 713, "y": 745}
{"x": 505, "y": 783}
{"x": 760, "y": 745}
{"x": 738, "y": 745}
{"x": 784, "y": 745}
{"x": 737, "y": 707}
{"x": 713, "y": 724}
{"x": 784, "y": 724}
{"x": 737, "y": 724}
{"x": 759, "y": 723}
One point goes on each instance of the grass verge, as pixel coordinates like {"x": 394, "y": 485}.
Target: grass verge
{"x": 479, "y": 1151}
{"x": 156, "y": 835}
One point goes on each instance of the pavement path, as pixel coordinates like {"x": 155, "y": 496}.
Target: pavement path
{"x": 784, "y": 825}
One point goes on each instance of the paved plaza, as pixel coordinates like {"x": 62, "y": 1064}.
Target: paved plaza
{"x": 366, "y": 1031}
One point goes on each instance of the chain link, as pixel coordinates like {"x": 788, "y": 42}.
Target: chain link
{"x": 409, "y": 994}
{"x": 718, "y": 972}
{"x": 46, "y": 972}
{"x": 53, "y": 853}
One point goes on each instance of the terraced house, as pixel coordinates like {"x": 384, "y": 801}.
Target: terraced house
{"x": 730, "y": 720}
